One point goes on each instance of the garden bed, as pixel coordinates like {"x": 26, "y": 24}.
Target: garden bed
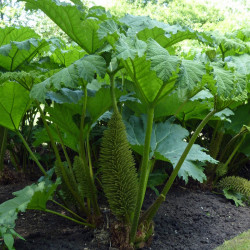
{"x": 188, "y": 219}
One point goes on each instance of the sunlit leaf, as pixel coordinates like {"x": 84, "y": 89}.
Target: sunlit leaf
{"x": 14, "y": 101}
{"x": 72, "y": 21}
{"x": 80, "y": 72}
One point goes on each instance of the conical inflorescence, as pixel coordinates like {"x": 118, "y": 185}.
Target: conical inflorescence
{"x": 119, "y": 175}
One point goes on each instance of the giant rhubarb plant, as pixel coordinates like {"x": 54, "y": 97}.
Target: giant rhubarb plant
{"x": 140, "y": 54}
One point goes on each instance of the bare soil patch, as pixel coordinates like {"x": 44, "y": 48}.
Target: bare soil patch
{"x": 188, "y": 219}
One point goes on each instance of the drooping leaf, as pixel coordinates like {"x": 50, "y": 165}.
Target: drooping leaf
{"x": 68, "y": 56}
{"x": 166, "y": 35}
{"x": 14, "y": 54}
{"x": 26, "y": 79}
{"x": 18, "y": 34}
{"x": 14, "y": 101}
{"x": 233, "y": 185}
{"x": 65, "y": 96}
{"x": 190, "y": 76}
{"x": 101, "y": 102}
{"x": 80, "y": 72}
{"x": 42, "y": 193}
{"x": 226, "y": 84}
{"x": 34, "y": 196}
{"x": 167, "y": 144}
{"x": 230, "y": 46}
{"x": 241, "y": 117}
{"x": 109, "y": 30}
{"x": 72, "y": 21}
{"x": 99, "y": 12}
{"x": 235, "y": 196}
{"x": 128, "y": 47}
{"x": 63, "y": 116}
{"x": 241, "y": 63}
{"x": 162, "y": 62}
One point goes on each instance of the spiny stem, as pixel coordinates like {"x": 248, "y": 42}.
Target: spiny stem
{"x": 112, "y": 90}
{"x": 92, "y": 182}
{"x": 155, "y": 206}
{"x": 70, "y": 211}
{"x": 87, "y": 165}
{"x": 83, "y": 115}
{"x": 143, "y": 174}
{"x": 69, "y": 218}
{"x": 234, "y": 151}
{"x": 3, "y": 144}
{"x": 58, "y": 158}
{"x": 31, "y": 153}
{"x": 186, "y": 151}
{"x": 65, "y": 152}
{"x": 230, "y": 144}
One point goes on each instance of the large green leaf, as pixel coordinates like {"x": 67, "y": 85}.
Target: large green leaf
{"x": 162, "y": 62}
{"x": 14, "y": 101}
{"x": 138, "y": 23}
{"x": 82, "y": 70}
{"x": 72, "y": 21}
{"x": 146, "y": 81}
{"x": 241, "y": 63}
{"x": 245, "y": 147}
{"x": 66, "y": 113}
{"x": 166, "y": 35}
{"x": 101, "y": 102}
{"x": 68, "y": 56}
{"x": 241, "y": 117}
{"x": 41, "y": 136}
{"x": 128, "y": 47}
{"x": 230, "y": 46}
{"x": 186, "y": 109}
{"x": 190, "y": 76}
{"x": 14, "y": 54}
{"x": 26, "y": 79}
{"x": 99, "y": 12}
{"x": 109, "y": 30}
{"x": 154, "y": 75}
{"x": 18, "y": 34}
{"x": 227, "y": 85}
{"x": 34, "y": 196}
{"x": 65, "y": 95}
{"x": 63, "y": 116}
{"x": 167, "y": 144}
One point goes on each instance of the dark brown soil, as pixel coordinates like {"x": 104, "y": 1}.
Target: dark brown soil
{"x": 189, "y": 219}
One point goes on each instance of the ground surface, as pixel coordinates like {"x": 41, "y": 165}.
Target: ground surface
{"x": 189, "y": 219}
